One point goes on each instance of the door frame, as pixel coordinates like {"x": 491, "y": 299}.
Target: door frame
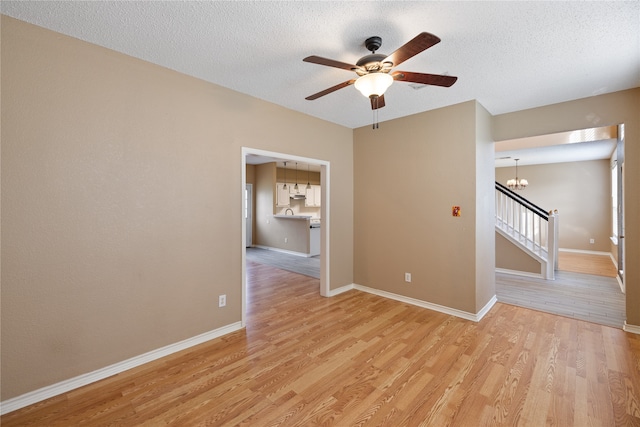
{"x": 325, "y": 246}
{"x": 249, "y": 215}
{"x": 621, "y": 216}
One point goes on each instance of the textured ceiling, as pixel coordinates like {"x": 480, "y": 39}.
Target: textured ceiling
{"x": 508, "y": 55}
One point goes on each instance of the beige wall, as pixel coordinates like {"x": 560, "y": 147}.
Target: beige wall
{"x": 609, "y": 109}
{"x": 121, "y": 203}
{"x": 511, "y": 257}
{"x": 580, "y": 191}
{"x": 295, "y": 231}
{"x": 409, "y": 174}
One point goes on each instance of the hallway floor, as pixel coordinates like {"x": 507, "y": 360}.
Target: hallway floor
{"x": 297, "y": 264}
{"x": 596, "y": 299}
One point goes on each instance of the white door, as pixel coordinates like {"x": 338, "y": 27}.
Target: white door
{"x": 248, "y": 213}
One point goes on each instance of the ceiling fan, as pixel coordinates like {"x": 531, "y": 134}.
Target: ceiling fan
{"x": 374, "y": 70}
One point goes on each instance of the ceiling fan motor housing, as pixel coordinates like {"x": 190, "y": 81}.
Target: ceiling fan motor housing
{"x": 373, "y": 63}
{"x": 373, "y": 43}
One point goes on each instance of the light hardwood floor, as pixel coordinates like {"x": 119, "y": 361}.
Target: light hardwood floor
{"x": 360, "y": 359}
{"x": 595, "y": 264}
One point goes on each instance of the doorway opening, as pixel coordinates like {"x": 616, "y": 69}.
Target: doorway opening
{"x": 251, "y": 156}
{"x": 558, "y": 168}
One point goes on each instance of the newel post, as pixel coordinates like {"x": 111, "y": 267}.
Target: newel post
{"x": 552, "y": 247}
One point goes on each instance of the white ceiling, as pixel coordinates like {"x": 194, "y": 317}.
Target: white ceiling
{"x": 591, "y": 150}
{"x": 508, "y": 55}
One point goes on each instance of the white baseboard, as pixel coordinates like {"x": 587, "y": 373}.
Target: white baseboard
{"x": 620, "y": 283}
{"x": 581, "y": 251}
{"x": 634, "y": 329}
{"x": 615, "y": 261}
{"x": 340, "y": 290}
{"x": 519, "y": 273}
{"x": 82, "y": 380}
{"x": 430, "y": 306}
{"x": 487, "y": 307}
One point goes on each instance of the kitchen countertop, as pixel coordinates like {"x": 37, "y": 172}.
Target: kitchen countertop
{"x": 293, "y": 216}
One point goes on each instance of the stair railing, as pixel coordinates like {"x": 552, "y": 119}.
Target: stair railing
{"x": 529, "y": 225}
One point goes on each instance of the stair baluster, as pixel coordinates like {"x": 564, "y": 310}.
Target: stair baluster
{"x": 530, "y": 227}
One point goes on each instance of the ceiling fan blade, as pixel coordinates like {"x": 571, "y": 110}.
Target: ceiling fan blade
{"x": 425, "y": 79}
{"x": 331, "y": 89}
{"x": 330, "y": 63}
{"x": 377, "y": 102}
{"x": 422, "y": 41}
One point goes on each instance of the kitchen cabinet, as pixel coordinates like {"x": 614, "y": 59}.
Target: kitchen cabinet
{"x": 282, "y": 195}
{"x": 294, "y": 192}
{"x": 314, "y": 197}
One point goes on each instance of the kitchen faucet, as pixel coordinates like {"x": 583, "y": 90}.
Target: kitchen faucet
{"x": 287, "y": 210}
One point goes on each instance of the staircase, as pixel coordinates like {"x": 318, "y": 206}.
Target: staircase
{"x": 529, "y": 227}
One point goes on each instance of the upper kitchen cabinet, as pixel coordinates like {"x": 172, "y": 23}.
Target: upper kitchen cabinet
{"x": 301, "y": 175}
{"x": 314, "y": 197}
{"x": 300, "y": 191}
{"x": 282, "y": 195}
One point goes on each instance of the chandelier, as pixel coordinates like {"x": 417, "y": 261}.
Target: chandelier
{"x": 517, "y": 184}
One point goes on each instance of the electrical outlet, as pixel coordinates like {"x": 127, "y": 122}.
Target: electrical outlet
{"x": 286, "y": 240}
{"x": 592, "y": 241}
{"x": 407, "y": 277}
{"x": 222, "y": 300}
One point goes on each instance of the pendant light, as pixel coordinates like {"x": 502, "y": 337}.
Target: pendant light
{"x": 308, "y": 182}
{"x": 517, "y": 184}
{"x": 284, "y": 187}
{"x": 296, "y": 186}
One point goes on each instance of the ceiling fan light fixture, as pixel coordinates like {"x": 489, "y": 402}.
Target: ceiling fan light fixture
{"x": 373, "y": 84}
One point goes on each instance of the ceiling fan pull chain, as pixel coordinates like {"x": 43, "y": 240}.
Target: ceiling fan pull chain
{"x": 375, "y": 113}
{"x": 374, "y": 110}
